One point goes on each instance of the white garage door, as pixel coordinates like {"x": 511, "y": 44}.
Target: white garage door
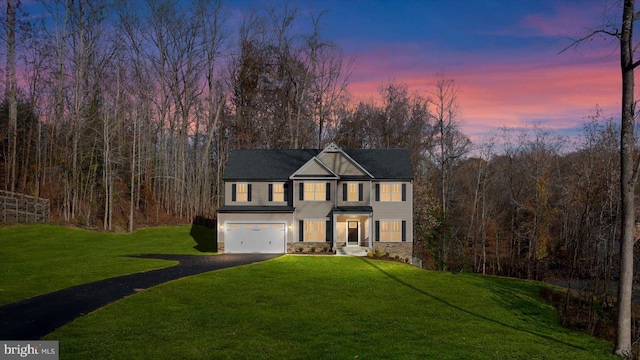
{"x": 254, "y": 238}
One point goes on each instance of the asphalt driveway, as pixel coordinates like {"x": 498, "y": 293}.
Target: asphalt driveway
{"x": 33, "y": 318}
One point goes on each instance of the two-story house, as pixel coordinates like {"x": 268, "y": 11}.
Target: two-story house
{"x": 284, "y": 201}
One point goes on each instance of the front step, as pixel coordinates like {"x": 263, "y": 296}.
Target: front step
{"x": 352, "y": 251}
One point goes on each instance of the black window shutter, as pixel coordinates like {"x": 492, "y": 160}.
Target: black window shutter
{"x": 404, "y": 230}
{"x": 377, "y": 230}
{"x": 360, "y": 191}
{"x": 404, "y": 192}
{"x": 270, "y": 192}
{"x": 301, "y": 230}
{"x": 233, "y": 192}
{"x": 344, "y": 192}
{"x": 377, "y": 192}
{"x": 249, "y": 192}
{"x": 301, "y": 191}
{"x": 329, "y": 231}
{"x": 328, "y": 191}
{"x": 285, "y": 188}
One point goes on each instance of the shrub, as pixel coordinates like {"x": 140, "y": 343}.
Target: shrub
{"x": 313, "y": 249}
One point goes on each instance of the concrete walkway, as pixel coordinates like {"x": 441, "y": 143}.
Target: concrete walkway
{"x": 33, "y": 318}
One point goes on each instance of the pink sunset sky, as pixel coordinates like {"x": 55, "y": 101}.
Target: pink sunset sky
{"x": 505, "y": 56}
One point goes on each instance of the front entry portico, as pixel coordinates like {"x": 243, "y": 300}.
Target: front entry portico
{"x": 352, "y": 230}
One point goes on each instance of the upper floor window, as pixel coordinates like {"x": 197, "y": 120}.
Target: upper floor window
{"x": 277, "y": 192}
{"x": 315, "y": 191}
{"x": 391, "y": 192}
{"x": 241, "y": 192}
{"x": 352, "y": 192}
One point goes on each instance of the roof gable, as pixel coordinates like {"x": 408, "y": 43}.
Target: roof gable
{"x": 314, "y": 168}
{"x": 341, "y": 163}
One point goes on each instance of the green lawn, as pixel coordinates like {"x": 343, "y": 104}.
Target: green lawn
{"x": 36, "y": 259}
{"x": 310, "y": 307}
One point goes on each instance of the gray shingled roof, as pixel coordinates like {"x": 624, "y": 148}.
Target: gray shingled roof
{"x": 257, "y": 164}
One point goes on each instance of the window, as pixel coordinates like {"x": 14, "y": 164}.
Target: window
{"x": 390, "y": 231}
{"x": 353, "y": 192}
{"x": 390, "y": 192}
{"x": 241, "y": 192}
{"x": 277, "y": 192}
{"x": 314, "y": 230}
{"x": 315, "y": 191}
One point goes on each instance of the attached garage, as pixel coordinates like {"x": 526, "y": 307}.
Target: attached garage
{"x": 255, "y": 238}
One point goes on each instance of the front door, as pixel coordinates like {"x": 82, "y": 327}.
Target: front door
{"x": 352, "y": 233}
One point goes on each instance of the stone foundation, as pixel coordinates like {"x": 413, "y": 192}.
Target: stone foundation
{"x": 306, "y": 247}
{"x": 404, "y": 250}
{"x": 220, "y": 248}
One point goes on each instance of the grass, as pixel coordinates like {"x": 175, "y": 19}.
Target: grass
{"x": 303, "y": 307}
{"x": 37, "y": 259}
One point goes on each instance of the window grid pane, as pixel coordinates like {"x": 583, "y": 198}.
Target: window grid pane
{"x": 315, "y": 192}
{"x": 278, "y": 192}
{"x": 390, "y": 192}
{"x": 241, "y": 192}
{"x": 352, "y": 192}
{"x": 390, "y": 231}
{"x": 314, "y": 231}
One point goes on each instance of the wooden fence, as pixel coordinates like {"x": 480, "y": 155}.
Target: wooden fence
{"x": 20, "y": 208}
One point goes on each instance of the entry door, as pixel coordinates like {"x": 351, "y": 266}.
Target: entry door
{"x": 352, "y": 233}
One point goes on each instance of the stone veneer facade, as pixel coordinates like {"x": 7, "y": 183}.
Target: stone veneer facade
{"x": 404, "y": 250}
{"x": 306, "y": 246}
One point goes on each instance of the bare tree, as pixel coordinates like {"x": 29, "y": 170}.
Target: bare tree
{"x": 11, "y": 94}
{"x": 450, "y": 145}
{"x": 629, "y": 167}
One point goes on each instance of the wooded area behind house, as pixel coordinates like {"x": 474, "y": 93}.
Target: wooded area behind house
{"x": 123, "y": 113}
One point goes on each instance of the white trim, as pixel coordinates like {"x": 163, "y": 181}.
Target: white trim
{"x": 371, "y": 230}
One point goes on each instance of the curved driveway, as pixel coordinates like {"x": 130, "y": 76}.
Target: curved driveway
{"x": 32, "y": 318}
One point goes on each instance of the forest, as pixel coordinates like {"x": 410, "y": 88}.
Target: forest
{"x": 123, "y": 113}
